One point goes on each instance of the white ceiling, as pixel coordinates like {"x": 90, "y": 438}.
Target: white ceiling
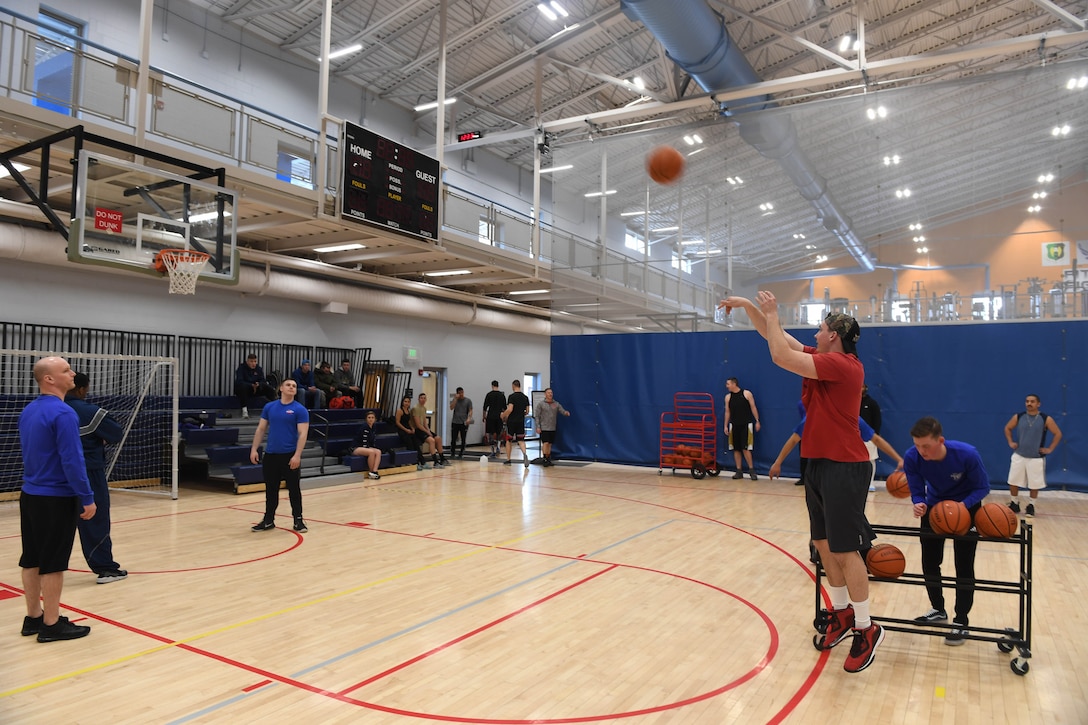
{"x": 972, "y": 89}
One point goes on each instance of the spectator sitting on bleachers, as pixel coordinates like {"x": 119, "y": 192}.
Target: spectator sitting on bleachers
{"x": 406, "y": 429}
{"x": 308, "y": 391}
{"x": 344, "y": 380}
{"x": 324, "y": 379}
{"x": 365, "y": 446}
{"x": 250, "y": 382}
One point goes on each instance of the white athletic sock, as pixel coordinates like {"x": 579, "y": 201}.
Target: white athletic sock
{"x": 861, "y": 615}
{"x": 840, "y": 597}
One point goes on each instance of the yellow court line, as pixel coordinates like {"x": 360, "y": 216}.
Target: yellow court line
{"x": 296, "y": 607}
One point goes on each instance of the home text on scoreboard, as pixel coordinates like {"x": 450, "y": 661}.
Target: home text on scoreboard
{"x": 388, "y": 184}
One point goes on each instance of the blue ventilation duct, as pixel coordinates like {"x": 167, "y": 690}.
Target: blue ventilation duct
{"x": 696, "y": 39}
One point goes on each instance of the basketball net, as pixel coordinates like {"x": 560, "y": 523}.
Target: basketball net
{"x": 183, "y": 266}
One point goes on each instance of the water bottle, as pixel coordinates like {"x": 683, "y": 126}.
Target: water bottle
{"x": 483, "y": 460}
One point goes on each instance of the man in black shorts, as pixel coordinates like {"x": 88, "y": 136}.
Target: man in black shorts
{"x": 55, "y": 494}
{"x": 517, "y": 407}
{"x": 494, "y": 405}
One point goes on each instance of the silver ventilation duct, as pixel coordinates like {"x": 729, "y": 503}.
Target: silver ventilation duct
{"x": 696, "y": 39}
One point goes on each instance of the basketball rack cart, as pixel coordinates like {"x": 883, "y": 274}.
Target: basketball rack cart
{"x": 689, "y": 435}
{"x": 1007, "y": 639}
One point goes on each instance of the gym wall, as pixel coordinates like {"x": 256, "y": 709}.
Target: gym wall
{"x": 972, "y": 377}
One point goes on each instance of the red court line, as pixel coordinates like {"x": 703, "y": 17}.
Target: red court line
{"x": 476, "y": 631}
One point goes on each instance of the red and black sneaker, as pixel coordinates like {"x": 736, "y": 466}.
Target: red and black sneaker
{"x": 834, "y": 627}
{"x": 863, "y": 650}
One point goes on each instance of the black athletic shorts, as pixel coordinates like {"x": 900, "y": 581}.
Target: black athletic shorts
{"x": 835, "y": 493}
{"x": 515, "y": 428}
{"x": 48, "y": 527}
{"x": 493, "y": 426}
{"x": 547, "y": 436}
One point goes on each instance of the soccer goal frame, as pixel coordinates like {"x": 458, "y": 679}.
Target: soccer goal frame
{"x": 139, "y": 391}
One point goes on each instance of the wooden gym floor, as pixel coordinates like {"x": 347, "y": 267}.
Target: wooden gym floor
{"x": 579, "y": 593}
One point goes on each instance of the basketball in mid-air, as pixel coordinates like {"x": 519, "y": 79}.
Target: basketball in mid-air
{"x": 994, "y": 521}
{"x": 885, "y": 561}
{"x": 950, "y": 518}
{"x": 665, "y": 165}
{"x": 897, "y": 484}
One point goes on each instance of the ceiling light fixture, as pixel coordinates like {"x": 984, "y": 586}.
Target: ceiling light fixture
{"x": 1062, "y": 130}
{"x": 922, "y": 250}
{"x": 891, "y": 160}
{"x": 448, "y": 273}
{"x": 701, "y": 148}
{"x": 547, "y": 12}
{"x": 734, "y": 180}
{"x": 902, "y": 193}
{"x": 919, "y": 239}
{"x": 550, "y": 169}
{"x": 339, "y": 248}
{"x": 18, "y": 167}
{"x": 1035, "y": 208}
{"x": 916, "y": 227}
{"x": 798, "y": 235}
{"x": 1039, "y": 195}
{"x": 638, "y": 83}
{"x": 666, "y": 229}
{"x": 433, "y": 104}
{"x": 529, "y": 292}
{"x": 821, "y": 258}
{"x": 344, "y": 51}
{"x": 875, "y": 113}
{"x": 1077, "y": 84}
{"x": 766, "y": 207}
{"x": 593, "y": 194}
{"x": 633, "y": 213}
{"x": 207, "y": 217}
{"x": 690, "y": 242}
{"x": 1045, "y": 178}
{"x": 559, "y": 9}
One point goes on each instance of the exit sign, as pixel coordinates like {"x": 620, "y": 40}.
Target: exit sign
{"x": 470, "y": 135}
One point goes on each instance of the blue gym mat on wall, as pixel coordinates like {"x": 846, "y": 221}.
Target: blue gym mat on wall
{"x": 972, "y": 377}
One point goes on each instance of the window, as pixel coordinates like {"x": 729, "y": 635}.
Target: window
{"x": 635, "y": 242}
{"x": 294, "y": 168}
{"x": 684, "y": 265}
{"x": 55, "y": 63}
{"x": 484, "y": 231}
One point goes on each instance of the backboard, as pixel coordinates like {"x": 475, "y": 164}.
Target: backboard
{"x": 125, "y": 213}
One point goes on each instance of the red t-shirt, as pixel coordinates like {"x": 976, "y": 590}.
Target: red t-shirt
{"x": 832, "y": 402}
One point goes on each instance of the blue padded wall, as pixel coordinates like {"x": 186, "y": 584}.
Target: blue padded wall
{"x": 973, "y": 377}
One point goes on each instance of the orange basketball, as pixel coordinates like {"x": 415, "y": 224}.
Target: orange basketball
{"x": 994, "y": 521}
{"x": 897, "y": 485}
{"x": 665, "y": 165}
{"x": 950, "y": 518}
{"x": 885, "y": 561}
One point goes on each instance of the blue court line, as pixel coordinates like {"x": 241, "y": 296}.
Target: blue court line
{"x": 420, "y": 625}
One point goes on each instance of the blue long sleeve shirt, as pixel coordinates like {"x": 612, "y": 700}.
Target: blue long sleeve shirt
{"x": 959, "y": 476}
{"x": 53, "y": 463}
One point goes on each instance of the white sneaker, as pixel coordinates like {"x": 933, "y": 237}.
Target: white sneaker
{"x": 373, "y": 474}
{"x": 245, "y": 412}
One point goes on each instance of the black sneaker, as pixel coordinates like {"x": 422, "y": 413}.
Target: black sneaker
{"x": 956, "y": 637}
{"x": 753, "y": 476}
{"x": 1030, "y": 511}
{"x": 33, "y": 625}
{"x": 63, "y": 629}
{"x": 506, "y": 462}
{"x": 263, "y": 526}
{"x": 1014, "y": 506}
{"x": 933, "y": 615}
{"x": 373, "y": 475}
{"x": 300, "y": 525}
{"x": 105, "y": 577}
{"x": 738, "y": 475}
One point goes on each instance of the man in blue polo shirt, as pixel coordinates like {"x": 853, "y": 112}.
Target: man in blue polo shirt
{"x": 54, "y": 495}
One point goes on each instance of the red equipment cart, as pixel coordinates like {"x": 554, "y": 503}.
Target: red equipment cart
{"x": 689, "y": 435}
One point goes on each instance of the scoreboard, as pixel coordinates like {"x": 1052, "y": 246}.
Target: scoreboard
{"x": 388, "y": 184}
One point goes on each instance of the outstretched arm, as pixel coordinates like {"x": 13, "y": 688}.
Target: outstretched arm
{"x": 758, "y": 318}
{"x": 783, "y": 352}
{"x": 883, "y": 445}
{"x": 776, "y": 467}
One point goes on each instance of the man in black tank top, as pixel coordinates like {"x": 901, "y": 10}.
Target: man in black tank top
{"x": 740, "y": 412}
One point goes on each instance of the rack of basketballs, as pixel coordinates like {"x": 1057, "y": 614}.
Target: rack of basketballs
{"x": 689, "y": 435}
{"x": 993, "y": 525}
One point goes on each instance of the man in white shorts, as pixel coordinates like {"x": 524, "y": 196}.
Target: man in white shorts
{"x": 1029, "y": 450}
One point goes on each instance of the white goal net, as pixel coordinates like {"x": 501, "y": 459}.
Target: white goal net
{"x": 139, "y": 392}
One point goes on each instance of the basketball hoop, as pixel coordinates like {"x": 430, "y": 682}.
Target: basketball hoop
{"x": 183, "y": 266}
